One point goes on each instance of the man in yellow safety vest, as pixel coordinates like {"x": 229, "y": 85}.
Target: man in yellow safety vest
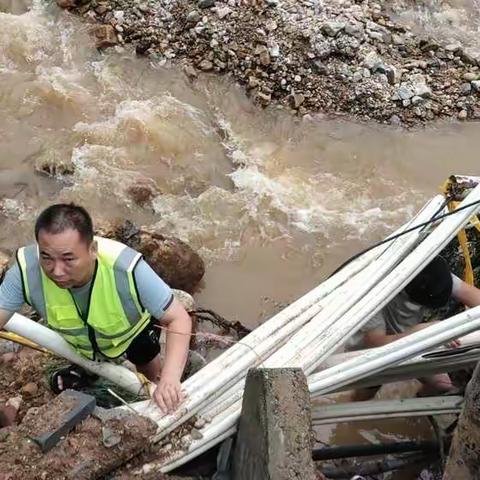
{"x": 102, "y": 297}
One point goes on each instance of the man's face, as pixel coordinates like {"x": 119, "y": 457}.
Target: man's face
{"x": 66, "y": 259}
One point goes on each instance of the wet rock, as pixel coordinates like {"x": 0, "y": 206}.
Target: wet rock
{"x": 462, "y": 115}
{"x": 105, "y": 36}
{"x": 205, "y": 65}
{"x": 297, "y": 99}
{"x": 190, "y": 72}
{"x": 66, "y": 3}
{"x": 142, "y": 192}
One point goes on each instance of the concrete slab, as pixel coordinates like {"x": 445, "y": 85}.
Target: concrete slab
{"x": 274, "y": 440}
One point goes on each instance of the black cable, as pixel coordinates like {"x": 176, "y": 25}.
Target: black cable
{"x": 408, "y": 230}
{"x": 347, "y": 451}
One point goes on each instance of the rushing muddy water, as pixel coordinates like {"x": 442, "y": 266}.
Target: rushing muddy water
{"x": 272, "y": 203}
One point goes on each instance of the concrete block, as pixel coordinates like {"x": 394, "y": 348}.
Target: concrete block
{"x": 274, "y": 440}
{"x": 80, "y": 406}
{"x": 463, "y": 463}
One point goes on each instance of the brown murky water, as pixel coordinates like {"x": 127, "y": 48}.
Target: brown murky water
{"x": 272, "y": 203}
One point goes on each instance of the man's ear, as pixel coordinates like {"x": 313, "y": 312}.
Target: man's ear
{"x": 94, "y": 249}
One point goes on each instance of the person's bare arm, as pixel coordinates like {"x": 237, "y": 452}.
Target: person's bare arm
{"x": 168, "y": 393}
{"x": 466, "y": 294}
{"x": 5, "y": 316}
{"x": 378, "y": 338}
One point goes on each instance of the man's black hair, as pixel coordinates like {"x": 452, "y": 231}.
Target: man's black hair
{"x": 62, "y": 216}
{"x": 432, "y": 287}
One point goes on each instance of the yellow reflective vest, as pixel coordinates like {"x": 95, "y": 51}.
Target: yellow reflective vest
{"x": 115, "y": 315}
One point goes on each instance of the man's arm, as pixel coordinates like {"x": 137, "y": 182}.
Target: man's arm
{"x": 465, "y": 293}
{"x": 378, "y": 337}
{"x": 5, "y": 316}
{"x": 179, "y": 327}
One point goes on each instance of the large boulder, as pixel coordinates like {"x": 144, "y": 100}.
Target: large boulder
{"x": 175, "y": 261}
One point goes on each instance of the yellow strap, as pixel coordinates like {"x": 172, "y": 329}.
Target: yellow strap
{"x": 468, "y": 276}
{"x": 145, "y": 383}
{"x": 22, "y": 341}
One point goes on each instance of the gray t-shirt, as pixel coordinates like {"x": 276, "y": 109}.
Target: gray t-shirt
{"x": 398, "y": 315}
{"x": 155, "y": 295}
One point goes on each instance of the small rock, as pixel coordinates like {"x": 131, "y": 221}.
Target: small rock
{"x": 196, "y": 435}
{"x": 297, "y": 99}
{"x": 395, "y": 120}
{"x": 332, "y": 28}
{"x": 372, "y": 60}
{"x": 119, "y": 16}
{"x": 462, "y": 115}
{"x": 271, "y": 25}
{"x": 466, "y": 88}
{"x": 199, "y": 423}
{"x": 398, "y": 39}
{"x": 109, "y": 437}
{"x": 453, "y": 47}
{"x": 422, "y": 90}
{"x": 470, "y": 56}
{"x": 274, "y": 50}
{"x": 417, "y": 100}
{"x": 405, "y": 92}
{"x": 66, "y": 3}
{"x": 264, "y": 98}
{"x": 105, "y": 36}
{"x": 253, "y": 82}
{"x": 222, "y": 12}
{"x": 206, "y": 3}
{"x": 205, "y": 65}
{"x": 475, "y": 85}
{"x": 469, "y": 76}
{"x": 297, "y": 78}
{"x": 30, "y": 389}
{"x": 190, "y": 71}
{"x": 194, "y": 17}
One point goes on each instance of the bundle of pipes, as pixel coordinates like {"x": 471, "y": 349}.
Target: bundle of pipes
{"x": 341, "y": 313}
{"x": 303, "y": 335}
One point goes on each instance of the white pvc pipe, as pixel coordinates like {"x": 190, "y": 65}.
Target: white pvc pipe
{"x": 223, "y": 380}
{"x": 448, "y": 231}
{"x": 54, "y": 342}
{"x": 380, "y": 358}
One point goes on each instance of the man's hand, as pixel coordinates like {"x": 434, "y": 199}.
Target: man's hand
{"x": 168, "y": 394}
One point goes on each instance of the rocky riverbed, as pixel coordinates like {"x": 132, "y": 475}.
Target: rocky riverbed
{"x": 338, "y": 58}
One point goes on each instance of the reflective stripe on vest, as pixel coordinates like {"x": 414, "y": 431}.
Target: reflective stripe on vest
{"x": 115, "y": 315}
